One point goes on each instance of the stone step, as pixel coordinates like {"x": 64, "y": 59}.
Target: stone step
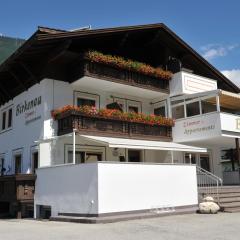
{"x": 230, "y": 205}
{"x": 229, "y": 199}
{"x": 232, "y": 210}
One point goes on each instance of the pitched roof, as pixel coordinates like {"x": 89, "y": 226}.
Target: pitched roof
{"x": 27, "y": 64}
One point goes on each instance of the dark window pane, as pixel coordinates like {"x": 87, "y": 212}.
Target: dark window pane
{"x": 18, "y": 164}
{"x": 133, "y": 109}
{"x": 193, "y": 109}
{"x": 86, "y": 102}
{"x": 9, "y": 118}
{"x": 178, "y": 112}
{"x": 93, "y": 157}
{"x": 79, "y": 157}
{"x": 4, "y": 115}
{"x": 160, "y": 111}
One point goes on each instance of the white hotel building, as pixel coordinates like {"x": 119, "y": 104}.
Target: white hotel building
{"x": 93, "y": 166}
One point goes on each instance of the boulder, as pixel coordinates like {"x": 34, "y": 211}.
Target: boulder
{"x": 208, "y": 207}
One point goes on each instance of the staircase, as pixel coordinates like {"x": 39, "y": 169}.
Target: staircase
{"x": 228, "y": 197}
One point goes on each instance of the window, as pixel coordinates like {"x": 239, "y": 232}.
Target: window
{"x": 134, "y": 155}
{"x": 133, "y": 109}
{"x": 86, "y": 99}
{"x": 34, "y": 161}
{"x": 18, "y": 163}
{"x": 208, "y": 106}
{"x": 79, "y": 157}
{"x": 93, "y": 157}
{"x": 86, "y": 155}
{"x": 2, "y": 163}
{"x": 192, "y": 109}
{"x": 178, "y": 111}
{"x": 160, "y": 111}
{"x": 190, "y": 158}
{"x": 86, "y": 102}
{"x": 6, "y": 119}
{"x": 9, "y": 117}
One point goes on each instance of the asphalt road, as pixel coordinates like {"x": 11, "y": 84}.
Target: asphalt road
{"x": 193, "y": 226}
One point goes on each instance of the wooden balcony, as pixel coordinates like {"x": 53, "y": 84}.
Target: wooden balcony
{"x": 113, "y": 74}
{"x": 96, "y": 125}
{"x": 16, "y": 194}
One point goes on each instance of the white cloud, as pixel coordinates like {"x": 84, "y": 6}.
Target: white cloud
{"x": 212, "y": 51}
{"x": 233, "y": 75}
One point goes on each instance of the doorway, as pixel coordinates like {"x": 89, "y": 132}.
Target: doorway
{"x": 18, "y": 163}
{"x": 200, "y": 159}
{"x": 34, "y": 161}
{"x": 134, "y": 155}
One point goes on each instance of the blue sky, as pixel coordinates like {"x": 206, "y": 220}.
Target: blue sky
{"x": 211, "y": 27}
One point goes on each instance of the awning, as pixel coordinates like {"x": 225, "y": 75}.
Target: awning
{"x": 142, "y": 144}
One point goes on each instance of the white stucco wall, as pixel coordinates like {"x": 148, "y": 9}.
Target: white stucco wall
{"x": 68, "y": 188}
{"x": 127, "y": 187}
{"x": 115, "y": 187}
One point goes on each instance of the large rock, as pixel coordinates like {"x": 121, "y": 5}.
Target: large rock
{"x": 208, "y": 207}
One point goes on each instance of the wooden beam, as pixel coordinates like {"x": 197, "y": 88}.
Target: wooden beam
{"x": 123, "y": 40}
{"x": 59, "y": 50}
{"x": 17, "y": 79}
{"x": 5, "y": 92}
{"x": 157, "y": 35}
{"x": 30, "y": 73}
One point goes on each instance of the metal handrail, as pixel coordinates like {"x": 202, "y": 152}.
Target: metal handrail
{"x": 209, "y": 182}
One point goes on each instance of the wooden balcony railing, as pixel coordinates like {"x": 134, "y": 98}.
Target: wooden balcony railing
{"x": 16, "y": 193}
{"x": 110, "y": 127}
{"x": 110, "y": 73}
{"x": 17, "y": 187}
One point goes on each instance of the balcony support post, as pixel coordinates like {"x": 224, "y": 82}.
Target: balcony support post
{"x": 172, "y": 157}
{"x": 218, "y": 103}
{"x": 74, "y": 146}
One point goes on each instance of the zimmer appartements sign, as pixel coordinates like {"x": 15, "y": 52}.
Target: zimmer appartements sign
{"x": 197, "y": 128}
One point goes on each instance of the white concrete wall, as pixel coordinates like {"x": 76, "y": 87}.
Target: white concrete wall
{"x": 68, "y": 188}
{"x": 22, "y": 135}
{"x": 188, "y": 83}
{"x": 127, "y": 187}
{"x": 115, "y": 187}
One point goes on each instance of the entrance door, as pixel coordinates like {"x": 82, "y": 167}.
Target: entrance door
{"x": 34, "y": 162}
{"x": 204, "y": 161}
{"x": 134, "y": 155}
{"x": 18, "y": 164}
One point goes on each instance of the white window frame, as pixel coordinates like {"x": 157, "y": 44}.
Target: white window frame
{"x": 14, "y": 154}
{"x": 161, "y": 104}
{"x": 90, "y": 96}
{"x": 132, "y": 103}
{"x": 34, "y": 149}
{"x": 6, "y": 110}
{"x": 81, "y": 148}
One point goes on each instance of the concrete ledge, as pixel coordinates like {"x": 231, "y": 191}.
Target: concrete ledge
{"x": 78, "y": 218}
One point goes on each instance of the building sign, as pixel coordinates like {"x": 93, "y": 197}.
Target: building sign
{"x": 197, "y": 128}
{"x": 28, "y": 108}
